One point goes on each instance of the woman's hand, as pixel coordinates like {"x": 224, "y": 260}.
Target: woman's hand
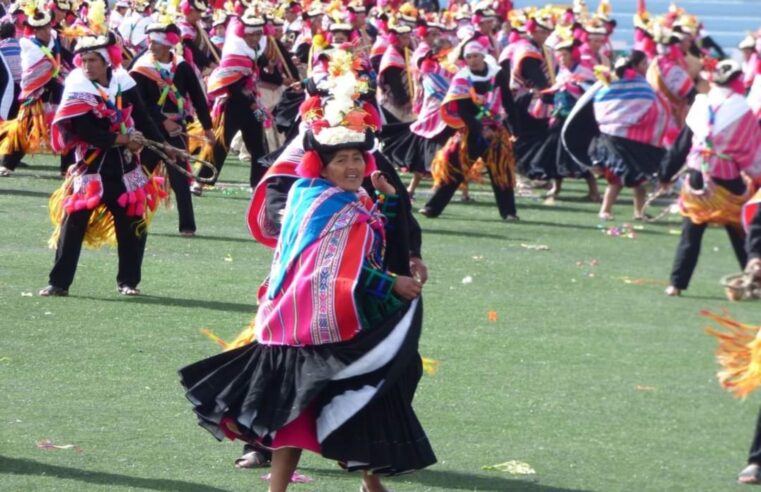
{"x": 407, "y": 287}
{"x": 136, "y": 142}
{"x": 172, "y": 127}
{"x": 381, "y": 184}
{"x": 419, "y": 270}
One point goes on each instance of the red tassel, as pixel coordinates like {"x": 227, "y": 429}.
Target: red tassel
{"x": 312, "y": 103}
{"x": 310, "y": 166}
{"x": 372, "y": 118}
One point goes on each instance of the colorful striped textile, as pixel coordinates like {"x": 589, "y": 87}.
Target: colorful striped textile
{"x": 326, "y": 237}
{"x": 462, "y": 87}
{"x": 429, "y": 122}
{"x": 629, "y": 108}
{"x": 726, "y": 137}
{"x": 11, "y": 51}
{"x": 39, "y": 65}
{"x": 81, "y": 96}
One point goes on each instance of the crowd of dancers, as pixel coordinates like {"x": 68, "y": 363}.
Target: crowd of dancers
{"x": 328, "y": 101}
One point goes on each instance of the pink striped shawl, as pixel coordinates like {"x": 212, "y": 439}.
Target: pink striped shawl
{"x": 629, "y": 108}
{"x": 754, "y": 97}
{"x": 316, "y": 303}
{"x": 736, "y": 135}
{"x": 429, "y": 122}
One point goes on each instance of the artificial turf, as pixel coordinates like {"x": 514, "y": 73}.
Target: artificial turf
{"x": 569, "y": 359}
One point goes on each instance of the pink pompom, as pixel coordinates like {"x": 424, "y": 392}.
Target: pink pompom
{"x": 93, "y": 202}
{"x": 115, "y": 55}
{"x": 92, "y": 188}
{"x": 370, "y": 166}
{"x": 530, "y": 26}
{"x": 139, "y": 209}
{"x": 139, "y": 195}
{"x": 185, "y": 7}
{"x": 173, "y": 37}
{"x": 131, "y": 197}
{"x": 131, "y": 210}
{"x": 122, "y": 200}
{"x": 428, "y": 66}
{"x": 158, "y": 180}
{"x": 80, "y": 204}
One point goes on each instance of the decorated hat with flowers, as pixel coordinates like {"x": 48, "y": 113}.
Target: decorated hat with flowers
{"x": 36, "y": 14}
{"x": 338, "y": 119}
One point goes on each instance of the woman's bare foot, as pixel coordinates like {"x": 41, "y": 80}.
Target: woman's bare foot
{"x": 750, "y": 475}
{"x": 372, "y": 483}
{"x": 605, "y": 216}
{"x": 672, "y": 291}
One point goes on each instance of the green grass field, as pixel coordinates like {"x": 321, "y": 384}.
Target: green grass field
{"x": 598, "y": 384}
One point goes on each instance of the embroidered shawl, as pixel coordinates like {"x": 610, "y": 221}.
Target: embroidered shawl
{"x": 326, "y": 236}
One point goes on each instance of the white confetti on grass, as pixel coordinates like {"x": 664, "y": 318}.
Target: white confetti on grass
{"x": 513, "y": 467}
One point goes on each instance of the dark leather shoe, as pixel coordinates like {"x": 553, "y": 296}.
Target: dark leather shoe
{"x": 53, "y": 291}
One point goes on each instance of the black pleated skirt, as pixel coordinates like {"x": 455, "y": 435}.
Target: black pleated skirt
{"x": 360, "y": 392}
{"x": 286, "y": 111}
{"x": 413, "y": 152}
{"x": 625, "y": 161}
{"x": 551, "y": 160}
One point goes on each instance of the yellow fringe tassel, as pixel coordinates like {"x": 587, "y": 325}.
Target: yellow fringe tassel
{"x": 430, "y": 366}
{"x": 205, "y": 150}
{"x": 738, "y": 354}
{"x": 720, "y": 207}
{"x": 101, "y": 230}
{"x": 28, "y": 133}
{"x": 195, "y": 137}
{"x": 498, "y": 159}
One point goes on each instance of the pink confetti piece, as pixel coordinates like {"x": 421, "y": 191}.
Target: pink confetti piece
{"x": 48, "y": 444}
{"x": 295, "y": 478}
{"x": 626, "y": 230}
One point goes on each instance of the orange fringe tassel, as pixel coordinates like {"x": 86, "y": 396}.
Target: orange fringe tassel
{"x": 499, "y": 160}
{"x": 738, "y": 354}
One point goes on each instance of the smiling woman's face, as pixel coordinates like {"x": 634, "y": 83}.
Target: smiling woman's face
{"x": 346, "y": 170}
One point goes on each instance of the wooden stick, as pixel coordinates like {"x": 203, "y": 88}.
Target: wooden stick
{"x": 207, "y": 41}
